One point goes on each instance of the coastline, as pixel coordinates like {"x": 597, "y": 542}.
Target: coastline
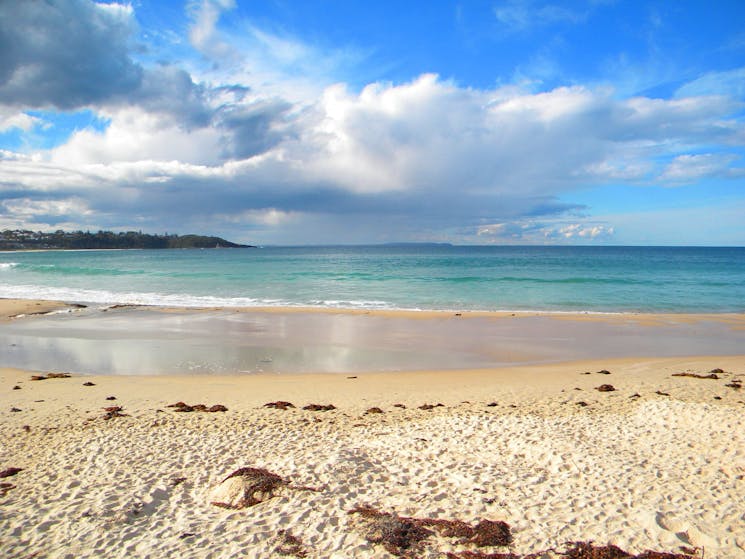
{"x": 657, "y": 463}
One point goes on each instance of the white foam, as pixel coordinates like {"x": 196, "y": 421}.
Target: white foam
{"x": 105, "y": 297}
{"x": 8, "y": 265}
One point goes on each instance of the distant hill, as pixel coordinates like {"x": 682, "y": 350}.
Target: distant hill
{"x": 30, "y": 240}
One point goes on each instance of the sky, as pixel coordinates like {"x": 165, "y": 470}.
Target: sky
{"x": 342, "y": 122}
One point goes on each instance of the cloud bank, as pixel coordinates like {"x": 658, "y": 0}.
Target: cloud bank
{"x": 427, "y": 159}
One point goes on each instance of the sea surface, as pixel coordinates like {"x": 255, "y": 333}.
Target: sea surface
{"x": 574, "y": 279}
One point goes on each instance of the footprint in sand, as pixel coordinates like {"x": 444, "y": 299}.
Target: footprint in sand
{"x": 686, "y": 531}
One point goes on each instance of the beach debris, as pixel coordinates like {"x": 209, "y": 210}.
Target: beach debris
{"x": 736, "y": 384}
{"x": 403, "y": 407}
{"x": 403, "y": 535}
{"x": 279, "y": 405}
{"x": 396, "y": 534}
{"x": 586, "y": 550}
{"x": 89, "y": 383}
{"x": 5, "y": 487}
{"x": 289, "y": 545}
{"x": 113, "y": 411}
{"x": 246, "y": 487}
{"x": 482, "y": 555}
{"x": 492, "y": 405}
{"x": 176, "y": 481}
{"x": 183, "y": 407}
{"x": 714, "y": 376}
{"x": 427, "y": 407}
{"x": 50, "y": 375}
{"x": 8, "y": 472}
{"x": 319, "y": 407}
{"x": 717, "y": 397}
{"x": 186, "y": 535}
{"x": 661, "y": 393}
{"x": 603, "y": 372}
{"x": 717, "y": 371}
{"x": 15, "y": 409}
{"x": 374, "y": 410}
{"x": 605, "y": 388}
{"x": 582, "y": 404}
{"x": 635, "y": 395}
{"x": 111, "y": 397}
{"x": 27, "y": 428}
{"x": 16, "y": 387}
{"x": 351, "y": 377}
{"x": 216, "y": 408}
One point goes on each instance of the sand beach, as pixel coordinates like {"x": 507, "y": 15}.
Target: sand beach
{"x": 651, "y": 461}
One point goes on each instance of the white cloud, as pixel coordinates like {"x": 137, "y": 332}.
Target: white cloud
{"x": 10, "y": 119}
{"x": 520, "y": 15}
{"x": 690, "y": 168}
{"x": 541, "y": 231}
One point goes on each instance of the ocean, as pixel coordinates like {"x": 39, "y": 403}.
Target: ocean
{"x": 426, "y": 277}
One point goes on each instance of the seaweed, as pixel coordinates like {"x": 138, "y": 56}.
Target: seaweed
{"x": 8, "y": 472}
{"x": 403, "y": 535}
{"x": 427, "y": 407}
{"x": 113, "y": 411}
{"x": 374, "y": 410}
{"x": 279, "y": 405}
{"x": 605, "y": 388}
{"x": 259, "y": 483}
{"x": 711, "y": 375}
{"x": 289, "y": 545}
{"x": 319, "y": 407}
{"x": 184, "y": 408}
{"x": 50, "y": 375}
{"x": 397, "y": 535}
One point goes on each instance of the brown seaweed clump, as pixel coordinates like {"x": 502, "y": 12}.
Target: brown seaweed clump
{"x": 182, "y": 407}
{"x": 586, "y": 550}
{"x": 374, "y": 410}
{"x": 8, "y": 472}
{"x": 606, "y": 388}
{"x": 696, "y": 375}
{"x": 399, "y": 536}
{"x": 403, "y": 535}
{"x": 289, "y": 545}
{"x": 319, "y": 407}
{"x": 279, "y": 405}
{"x": 246, "y": 487}
{"x": 113, "y": 411}
{"x": 428, "y": 407}
{"x": 5, "y": 487}
{"x": 736, "y": 384}
{"x": 50, "y": 375}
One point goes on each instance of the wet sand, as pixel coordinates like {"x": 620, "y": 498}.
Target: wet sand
{"x": 657, "y": 463}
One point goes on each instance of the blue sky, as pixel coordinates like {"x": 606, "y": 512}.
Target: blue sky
{"x": 284, "y": 122}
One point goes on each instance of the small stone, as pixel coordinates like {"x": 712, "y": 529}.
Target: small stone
{"x": 605, "y": 388}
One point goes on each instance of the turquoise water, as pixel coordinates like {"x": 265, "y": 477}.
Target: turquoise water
{"x": 612, "y": 279}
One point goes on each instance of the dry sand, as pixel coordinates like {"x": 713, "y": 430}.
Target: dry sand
{"x": 657, "y": 471}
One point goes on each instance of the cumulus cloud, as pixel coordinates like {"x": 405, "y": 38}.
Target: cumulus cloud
{"x": 65, "y": 54}
{"x": 689, "y": 168}
{"x": 415, "y": 158}
{"x": 539, "y": 232}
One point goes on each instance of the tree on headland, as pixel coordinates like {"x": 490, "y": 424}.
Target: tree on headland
{"x": 26, "y": 240}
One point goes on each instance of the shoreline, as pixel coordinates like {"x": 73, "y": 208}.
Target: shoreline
{"x": 17, "y": 306}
